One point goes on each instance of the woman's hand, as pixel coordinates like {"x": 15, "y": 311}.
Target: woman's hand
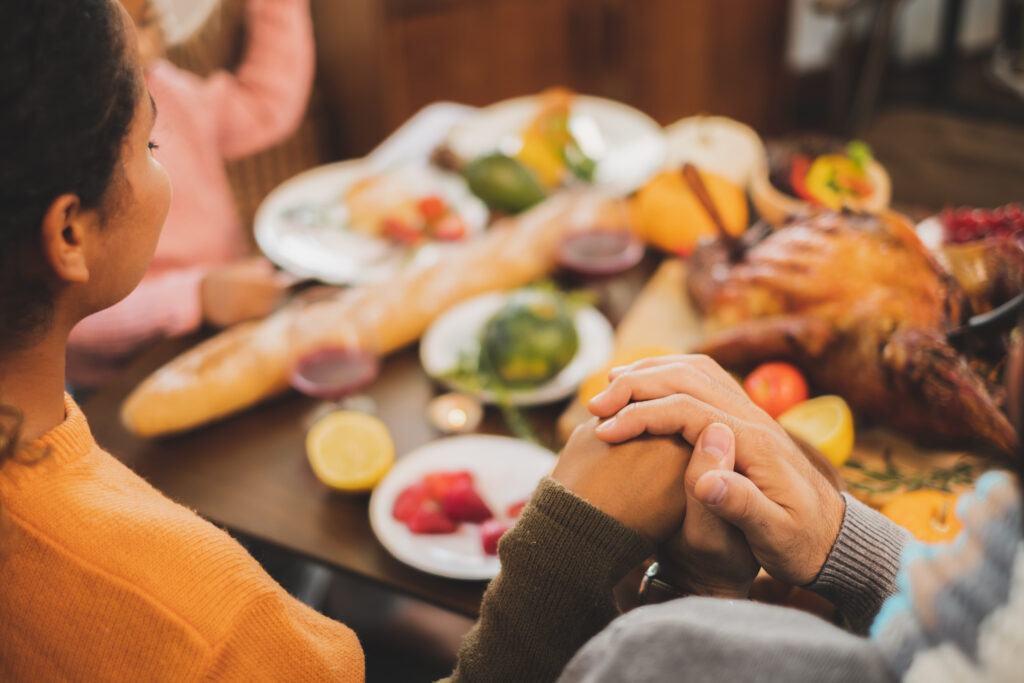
{"x": 240, "y": 291}
{"x": 707, "y": 555}
{"x": 639, "y": 483}
{"x": 788, "y": 512}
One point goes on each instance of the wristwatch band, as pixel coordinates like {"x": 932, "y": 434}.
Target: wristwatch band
{"x": 654, "y": 589}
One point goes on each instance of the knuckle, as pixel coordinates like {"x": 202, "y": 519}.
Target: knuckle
{"x": 615, "y": 386}
{"x": 628, "y": 413}
{"x": 759, "y": 439}
{"x": 679, "y": 402}
{"x": 702, "y": 360}
{"x": 691, "y": 476}
{"x": 708, "y": 365}
{"x": 584, "y": 430}
{"x": 745, "y": 507}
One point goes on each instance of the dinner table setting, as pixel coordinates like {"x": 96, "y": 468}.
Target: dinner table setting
{"x": 464, "y": 290}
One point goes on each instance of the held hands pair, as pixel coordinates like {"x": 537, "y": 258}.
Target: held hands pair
{"x": 745, "y": 496}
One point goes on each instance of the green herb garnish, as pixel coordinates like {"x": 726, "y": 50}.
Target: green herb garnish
{"x": 892, "y": 478}
{"x": 859, "y": 152}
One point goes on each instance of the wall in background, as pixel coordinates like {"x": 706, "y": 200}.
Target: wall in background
{"x": 181, "y": 18}
{"x": 812, "y": 35}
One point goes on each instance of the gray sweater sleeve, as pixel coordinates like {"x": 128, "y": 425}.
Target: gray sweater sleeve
{"x": 860, "y": 572}
{"x": 708, "y": 639}
{"x": 561, "y": 560}
{"x": 698, "y": 639}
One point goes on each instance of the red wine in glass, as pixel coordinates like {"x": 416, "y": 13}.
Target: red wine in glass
{"x": 600, "y": 252}
{"x": 334, "y": 372}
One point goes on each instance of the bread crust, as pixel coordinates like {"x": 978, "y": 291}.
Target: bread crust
{"x": 248, "y": 363}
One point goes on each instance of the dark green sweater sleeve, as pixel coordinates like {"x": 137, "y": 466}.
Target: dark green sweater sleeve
{"x": 559, "y": 564}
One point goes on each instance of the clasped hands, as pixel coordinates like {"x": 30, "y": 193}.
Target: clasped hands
{"x": 679, "y": 453}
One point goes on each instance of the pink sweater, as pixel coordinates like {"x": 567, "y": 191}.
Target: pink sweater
{"x": 200, "y": 124}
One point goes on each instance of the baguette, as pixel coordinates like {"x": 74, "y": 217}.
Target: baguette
{"x": 250, "y": 362}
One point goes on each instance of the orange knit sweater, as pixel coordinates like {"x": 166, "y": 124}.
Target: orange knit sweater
{"x": 103, "y": 578}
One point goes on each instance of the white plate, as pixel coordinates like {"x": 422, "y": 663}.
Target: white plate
{"x": 457, "y": 331}
{"x": 300, "y": 226}
{"x": 629, "y": 146}
{"x": 506, "y": 471}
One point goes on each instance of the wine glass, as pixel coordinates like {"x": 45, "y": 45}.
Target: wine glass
{"x": 332, "y": 356}
{"x": 598, "y": 248}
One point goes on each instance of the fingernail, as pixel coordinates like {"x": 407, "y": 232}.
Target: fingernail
{"x": 717, "y": 440}
{"x": 716, "y": 493}
{"x": 606, "y": 425}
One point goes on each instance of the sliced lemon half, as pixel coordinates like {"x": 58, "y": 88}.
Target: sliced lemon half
{"x": 824, "y": 422}
{"x": 350, "y": 451}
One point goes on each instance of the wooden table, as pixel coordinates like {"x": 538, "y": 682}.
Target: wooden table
{"x": 249, "y": 472}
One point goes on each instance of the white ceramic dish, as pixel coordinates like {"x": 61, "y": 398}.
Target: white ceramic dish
{"x": 456, "y": 332}
{"x": 628, "y": 145}
{"x": 506, "y": 471}
{"x": 301, "y": 225}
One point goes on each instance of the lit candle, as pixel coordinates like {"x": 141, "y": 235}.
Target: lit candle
{"x": 454, "y": 413}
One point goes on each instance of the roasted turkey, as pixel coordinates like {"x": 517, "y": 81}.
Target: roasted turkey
{"x": 864, "y": 309}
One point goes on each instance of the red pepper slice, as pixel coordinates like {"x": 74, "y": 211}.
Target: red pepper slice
{"x": 858, "y": 187}
{"x": 798, "y": 177}
{"x": 432, "y": 207}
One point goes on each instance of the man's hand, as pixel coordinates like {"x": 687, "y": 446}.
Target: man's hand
{"x": 788, "y": 512}
{"x": 707, "y": 555}
{"x": 639, "y": 483}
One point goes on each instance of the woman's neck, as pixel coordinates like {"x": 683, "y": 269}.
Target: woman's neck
{"x": 32, "y": 381}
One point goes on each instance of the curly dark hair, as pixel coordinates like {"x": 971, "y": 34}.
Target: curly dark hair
{"x": 67, "y": 99}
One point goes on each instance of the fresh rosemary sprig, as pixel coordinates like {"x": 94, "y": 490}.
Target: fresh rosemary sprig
{"x": 891, "y": 479}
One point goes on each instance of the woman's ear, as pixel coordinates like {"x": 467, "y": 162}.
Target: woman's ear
{"x": 65, "y": 230}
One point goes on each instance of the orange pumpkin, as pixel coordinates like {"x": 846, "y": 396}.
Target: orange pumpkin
{"x": 667, "y": 214}
{"x": 929, "y": 515}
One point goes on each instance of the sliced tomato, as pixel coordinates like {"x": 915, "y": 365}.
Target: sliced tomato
{"x": 409, "y": 500}
{"x": 798, "y": 177}
{"x": 451, "y": 228}
{"x": 432, "y": 207}
{"x": 400, "y": 231}
{"x": 515, "y": 508}
{"x": 440, "y": 483}
{"x": 491, "y": 532}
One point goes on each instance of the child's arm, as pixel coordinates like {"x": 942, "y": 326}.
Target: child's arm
{"x": 176, "y": 302}
{"x": 263, "y": 101}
